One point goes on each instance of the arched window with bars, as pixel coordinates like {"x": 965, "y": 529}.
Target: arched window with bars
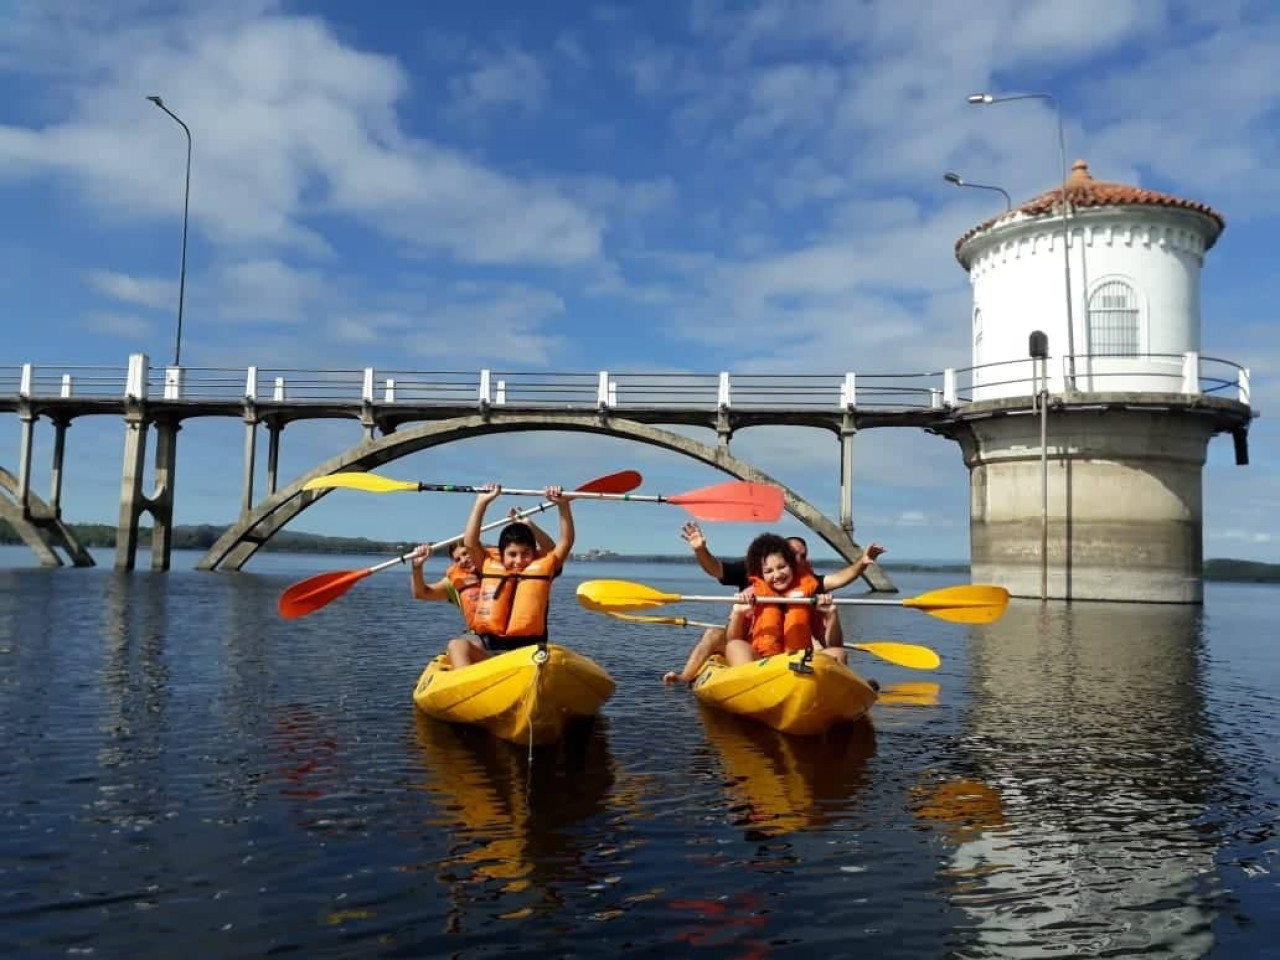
{"x": 1115, "y": 321}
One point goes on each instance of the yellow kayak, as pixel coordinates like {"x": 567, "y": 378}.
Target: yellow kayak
{"x": 524, "y": 696}
{"x": 793, "y": 693}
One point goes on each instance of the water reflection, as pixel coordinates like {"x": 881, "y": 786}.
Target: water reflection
{"x": 520, "y": 830}
{"x": 909, "y": 693}
{"x": 134, "y": 701}
{"x": 1083, "y": 773}
{"x": 780, "y": 783}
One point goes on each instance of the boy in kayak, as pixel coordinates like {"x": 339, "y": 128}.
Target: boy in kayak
{"x": 460, "y": 584}
{"x": 733, "y": 573}
{"x": 515, "y": 580}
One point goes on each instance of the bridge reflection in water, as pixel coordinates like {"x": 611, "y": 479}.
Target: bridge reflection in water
{"x": 1076, "y": 808}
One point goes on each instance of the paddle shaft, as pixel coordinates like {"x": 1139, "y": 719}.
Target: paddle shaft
{"x": 492, "y": 525}
{"x": 517, "y": 492}
{"x": 793, "y": 601}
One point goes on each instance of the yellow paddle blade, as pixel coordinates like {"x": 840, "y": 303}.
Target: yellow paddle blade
{"x": 968, "y": 603}
{"x": 911, "y": 655}
{"x": 368, "y": 482}
{"x": 641, "y": 618}
{"x": 606, "y": 596}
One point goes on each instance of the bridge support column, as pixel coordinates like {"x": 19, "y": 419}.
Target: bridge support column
{"x": 724, "y": 430}
{"x": 273, "y": 454}
{"x": 847, "y": 431}
{"x": 161, "y": 502}
{"x": 250, "y": 456}
{"x": 60, "y": 426}
{"x": 28, "y": 419}
{"x": 132, "y": 502}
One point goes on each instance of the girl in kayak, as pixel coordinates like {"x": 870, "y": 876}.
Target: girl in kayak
{"x": 763, "y": 629}
{"x": 733, "y": 573}
{"x": 515, "y": 580}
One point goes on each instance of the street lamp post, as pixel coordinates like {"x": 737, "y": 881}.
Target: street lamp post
{"x": 186, "y": 206}
{"x": 981, "y": 99}
{"x": 952, "y": 177}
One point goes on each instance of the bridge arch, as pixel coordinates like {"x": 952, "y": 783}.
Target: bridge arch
{"x": 240, "y": 541}
{"x": 39, "y": 525}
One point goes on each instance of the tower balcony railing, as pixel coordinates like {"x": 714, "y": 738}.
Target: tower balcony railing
{"x": 1186, "y": 373}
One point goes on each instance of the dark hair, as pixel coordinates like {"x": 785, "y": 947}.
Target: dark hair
{"x": 765, "y": 545}
{"x": 517, "y": 533}
{"x": 453, "y": 550}
{"x": 800, "y": 540}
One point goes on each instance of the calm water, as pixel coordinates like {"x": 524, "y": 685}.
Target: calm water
{"x": 184, "y": 774}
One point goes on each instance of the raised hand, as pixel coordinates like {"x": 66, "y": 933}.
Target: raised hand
{"x": 691, "y": 533}
{"x": 420, "y": 555}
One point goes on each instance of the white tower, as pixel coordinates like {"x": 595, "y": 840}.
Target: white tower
{"x": 1096, "y": 492}
{"x": 1135, "y": 259}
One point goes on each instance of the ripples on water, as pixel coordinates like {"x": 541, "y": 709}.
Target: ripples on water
{"x": 185, "y": 774}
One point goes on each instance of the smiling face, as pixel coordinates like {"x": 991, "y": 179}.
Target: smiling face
{"x": 462, "y": 557}
{"x": 776, "y": 572}
{"x": 517, "y": 556}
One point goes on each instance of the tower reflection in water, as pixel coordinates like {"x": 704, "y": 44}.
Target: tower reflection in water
{"x": 1075, "y": 803}
{"x": 518, "y": 831}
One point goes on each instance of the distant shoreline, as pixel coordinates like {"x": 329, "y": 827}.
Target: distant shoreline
{"x": 203, "y": 536}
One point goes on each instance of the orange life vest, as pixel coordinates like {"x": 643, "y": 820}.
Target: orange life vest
{"x": 514, "y": 604}
{"x": 466, "y": 587}
{"x": 778, "y": 627}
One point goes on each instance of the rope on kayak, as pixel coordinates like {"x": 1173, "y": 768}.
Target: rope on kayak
{"x": 539, "y": 659}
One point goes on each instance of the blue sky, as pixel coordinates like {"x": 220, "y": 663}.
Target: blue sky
{"x": 700, "y": 186}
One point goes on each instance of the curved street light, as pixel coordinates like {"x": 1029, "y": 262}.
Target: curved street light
{"x": 952, "y": 177}
{"x": 981, "y": 99}
{"x": 186, "y": 206}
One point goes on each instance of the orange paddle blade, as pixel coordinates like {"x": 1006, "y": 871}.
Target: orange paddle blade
{"x": 313, "y": 593}
{"x": 736, "y": 501}
{"x": 624, "y": 481}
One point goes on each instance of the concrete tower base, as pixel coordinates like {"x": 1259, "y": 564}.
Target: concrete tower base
{"x": 1124, "y": 512}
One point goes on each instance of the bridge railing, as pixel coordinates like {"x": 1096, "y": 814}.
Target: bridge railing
{"x": 1186, "y": 373}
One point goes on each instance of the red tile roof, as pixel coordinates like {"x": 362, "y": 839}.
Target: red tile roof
{"x": 1084, "y": 191}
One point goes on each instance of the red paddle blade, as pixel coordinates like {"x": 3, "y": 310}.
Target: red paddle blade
{"x": 315, "y": 592}
{"x": 622, "y": 482}
{"x": 736, "y": 501}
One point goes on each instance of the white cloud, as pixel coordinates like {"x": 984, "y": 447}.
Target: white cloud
{"x": 139, "y": 291}
{"x": 1240, "y": 536}
{"x": 266, "y": 289}
{"x": 288, "y": 122}
{"x": 501, "y": 78}
{"x": 123, "y": 325}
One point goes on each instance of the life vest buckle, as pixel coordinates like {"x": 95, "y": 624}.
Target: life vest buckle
{"x": 803, "y": 666}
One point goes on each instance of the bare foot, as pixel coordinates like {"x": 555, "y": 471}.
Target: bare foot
{"x": 671, "y": 676}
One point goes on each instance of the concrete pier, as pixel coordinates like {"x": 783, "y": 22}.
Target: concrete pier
{"x": 1125, "y": 502}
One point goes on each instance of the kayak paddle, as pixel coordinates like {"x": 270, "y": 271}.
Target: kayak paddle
{"x": 967, "y": 603}
{"x": 911, "y": 655}
{"x": 315, "y": 592}
{"x": 735, "y": 501}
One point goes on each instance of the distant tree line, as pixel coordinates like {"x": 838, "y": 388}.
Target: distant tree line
{"x": 203, "y": 536}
